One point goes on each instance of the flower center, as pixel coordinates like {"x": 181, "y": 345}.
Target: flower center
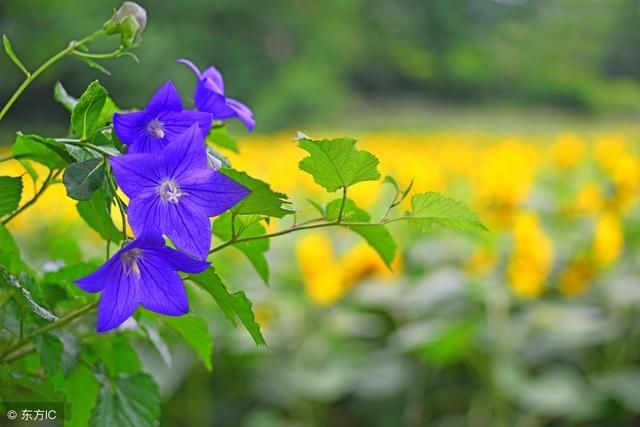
{"x": 130, "y": 262}
{"x": 170, "y": 191}
{"x": 156, "y": 128}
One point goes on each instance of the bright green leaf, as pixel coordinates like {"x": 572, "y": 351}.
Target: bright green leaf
{"x": 195, "y": 332}
{"x": 376, "y": 235}
{"x": 50, "y": 350}
{"x": 92, "y": 112}
{"x": 96, "y": 213}
{"x": 337, "y": 163}
{"x": 262, "y": 200}
{"x": 14, "y": 58}
{"x": 9, "y": 252}
{"x": 61, "y": 95}
{"x": 219, "y": 136}
{"x": 81, "y": 392}
{"x": 236, "y": 304}
{"x": 95, "y": 65}
{"x": 434, "y": 208}
{"x": 81, "y": 179}
{"x": 127, "y": 401}
{"x": 10, "y": 194}
{"x": 45, "y": 151}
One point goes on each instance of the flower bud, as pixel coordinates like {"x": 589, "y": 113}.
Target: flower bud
{"x": 129, "y": 21}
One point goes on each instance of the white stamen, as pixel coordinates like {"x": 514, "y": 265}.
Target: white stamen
{"x": 170, "y": 191}
{"x": 156, "y": 128}
{"x": 130, "y": 262}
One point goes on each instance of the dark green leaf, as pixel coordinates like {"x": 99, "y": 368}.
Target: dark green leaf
{"x": 10, "y": 194}
{"x": 246, "y": 226}
{"x": 127, "y": 401}
{"x": 219, "y": 136}
{"x": 8, "y": 280}
{"x": 83, "y": 178}
{"x": 236, "y": 304}
{"x": 337, "y": 163}
{"x": 376, "y": 235}
{"x": 96, "y": 213}
{"x": 195, "y": 332}
{"x": 50, "y": 350}
{"x": 61, "y": 95}
{"x": 262, "y": 200}
{"x": 434, "y": 208}
{"x": 14, "y": 58}
{"x": 92, "y": 112}
{"x": 45, "y": 151}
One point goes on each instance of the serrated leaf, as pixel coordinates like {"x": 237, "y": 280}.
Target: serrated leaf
{"x": 81, "y": 179}
{"x": 92, "y": 112}
{"x": 46, "y": 151}
{"x": 434, "y": 208}
{"x": 127, "y": 401}
{"x": 50, "y": 350}
{"x": 10, "y": 194}
{"x": 61, "y": 95}
{"x": 14, "y": 58}
{"x": 219, "y": 136}
{"x": 376, "y": 235}
{"x": 261, "y": 201}
{"x": 96, "y": 213}
{"x": 81, "y": 392}
{"x": 195, "y": 332}
{"x": 254, "y": 250}
{"x": 9, "y": 252}
{"x": 337, "y": 163}
{"x": 8, "y": 280}
{"x": 232, "y": 304}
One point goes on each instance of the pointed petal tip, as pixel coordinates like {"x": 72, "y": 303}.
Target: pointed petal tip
{"x": 190, "y": 65}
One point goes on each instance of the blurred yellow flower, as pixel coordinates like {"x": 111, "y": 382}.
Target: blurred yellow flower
{"x": 575, "y": 279}
{"x": 589, "y": 200}
{"x": 608, "y": 240}
{"x": 532, "y": 256}
{"x": 567, "y": 151}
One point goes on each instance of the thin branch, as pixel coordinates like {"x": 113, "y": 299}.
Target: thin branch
{"x": 50, "y": 177}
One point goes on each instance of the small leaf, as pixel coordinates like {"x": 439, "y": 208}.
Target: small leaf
{"x": 96, "y": 213}
{"x": 83, "y": 178}
{"x": 195, "y": 332}
{"x": 14, "y": 58}
{"x": 254, "y": 250}
{"x": 131, "y": 400}
{"x": 46, "y": 151}
{"x": 236, "y": 304}
{"x": 10, "y": 194}
{"x": 219, "y": 136}
{"x": 376, "y": 235}
{"x": 92, "y": 112}
{"x": 61, "y": 95}
{"x": 9, "y": 253}
{"x": 94, "y": 64}
{"x": 337, "y": 163}
{"x": 7, "y": 279}
{"x": 262, "y": 200}
{"x": 50, "y": 350}
{"x": 434, "y": 208}
{"x": 81, "y": 391}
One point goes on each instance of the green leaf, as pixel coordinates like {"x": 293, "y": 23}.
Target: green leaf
{"x": 400, "y": 193}
{"x": 61, "y": 95}
{"x": 95, "y": 65}
{"x": 50, "y": 350}
{"x": 83, "y": 178}
{"x": 261, "y": 201}
{"x": 376, "y": 235}
{"x": 236, "y": 304}
{"x": 219, "y": 136}
{"x": 96, "y": 213}
{"x": 337, "y": 163}
{"x": 127, "y": 401}
{"x": 10, "y": 194}
{"x": 81, "y": 392}
{"x": 46, "y": 151}
{"x": 92, "y": 112}
{"x": 9, "y": 252}
{"x": 14, "y": 58}
{"x": 195, "y": 332}
{"x": 8, "y": 280}
{"x": 434, "y": 208}
{"x": 254, "y": 250}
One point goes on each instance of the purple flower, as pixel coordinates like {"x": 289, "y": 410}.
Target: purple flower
{"x": 162, "y": 120}
{"x": 143, "y": 272}
{"x": 209, "y": 97}
{"x": 175, "y": 192}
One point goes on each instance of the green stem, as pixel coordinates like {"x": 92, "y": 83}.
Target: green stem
{"x": 342, "y": 203}
{"x": 50, "y": 177}
{"x": 82, "y": 144}
{"x": 55, "y": 58}
{"x": 119, "y": 204}
{"x": 7, "y": 356}
{"x": 107, "y": 55}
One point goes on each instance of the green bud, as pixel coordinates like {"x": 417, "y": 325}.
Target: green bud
{"x": 129, "y": 21}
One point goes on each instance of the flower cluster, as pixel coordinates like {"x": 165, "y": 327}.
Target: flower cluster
{"x": 172, "y": 192}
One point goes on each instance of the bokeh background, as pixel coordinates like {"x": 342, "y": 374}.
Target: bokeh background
{"x": 526, "y": 110}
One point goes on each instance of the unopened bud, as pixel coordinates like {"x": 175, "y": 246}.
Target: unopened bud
{"x": 129, "y": 21}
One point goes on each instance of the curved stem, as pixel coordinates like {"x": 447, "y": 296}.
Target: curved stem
{"x": 50, "y": 177}
{"x": 107, "y": 55}
{"x": 82, "y": 144}
{"x": 55, "y": 58}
